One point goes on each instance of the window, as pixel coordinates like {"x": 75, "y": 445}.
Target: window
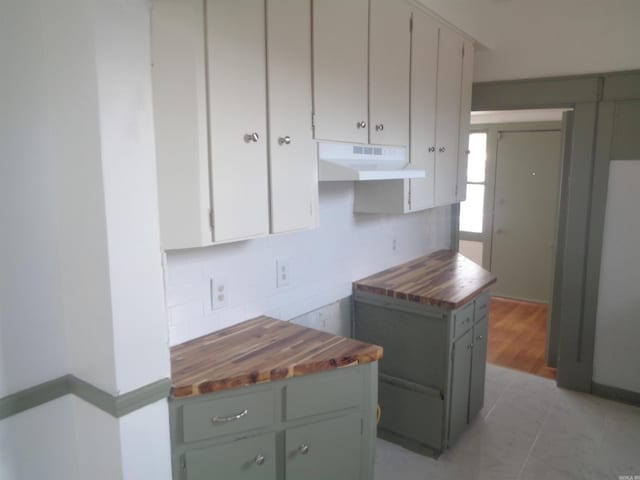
{"x": 472, "y": 209}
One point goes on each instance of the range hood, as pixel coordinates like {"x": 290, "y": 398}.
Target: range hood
{"x": 348, "y": 162}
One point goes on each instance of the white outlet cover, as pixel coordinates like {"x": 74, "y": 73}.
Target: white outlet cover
{"x": 282, "y": 273}
{"x": 218, "y": 293}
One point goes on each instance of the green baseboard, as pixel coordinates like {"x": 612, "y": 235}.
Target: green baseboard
{"x": 615, "y": 393}
{"x": 116, "y": 406}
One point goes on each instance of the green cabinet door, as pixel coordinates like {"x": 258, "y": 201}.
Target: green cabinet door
{"x": 328, "y": 450}
{"x": 478, "y": 367}
{"x": 247, "y": 459}
{"x": 460, "y": 372}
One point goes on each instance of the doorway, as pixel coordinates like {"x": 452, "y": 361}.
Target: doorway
{"x": 508, "y": 224}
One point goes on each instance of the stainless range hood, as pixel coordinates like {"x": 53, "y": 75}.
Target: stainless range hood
{"x": 349, "y": 162}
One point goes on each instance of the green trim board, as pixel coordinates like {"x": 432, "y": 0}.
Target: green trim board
{"x": 615, "y": 393}
{"x": 622, "y": 86}
{"x": 116, "y": 406}
{"x": 35, "y": 396}
{"x": 536, "y": 93}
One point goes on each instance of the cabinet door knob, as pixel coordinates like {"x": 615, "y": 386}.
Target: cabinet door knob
{"x": 379, "y": 127}
{"x": 442, "y": 149}
{"x": 251, "y": 137}
{"x": 284, "y": 140}
{"x": 467, "y": 151}
{"x": 362, "y": 124}
{"x": 303, "y": 449}
{"x": 432, "y": 149}
{"x": 259, "y": 459}
{"x": 479, "y": 337}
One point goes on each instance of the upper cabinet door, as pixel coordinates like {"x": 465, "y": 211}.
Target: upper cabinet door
{"x": 448, "y": 116}
{"x": 292, "y": 151}
{"x": 340, "y": 64}
{"x": 389, "y": 70}
{"x": 237, "y": 118}
{"x": 180, "y": 118}
{"x": 465, "y": 118}
{"x": 424, "y": 61}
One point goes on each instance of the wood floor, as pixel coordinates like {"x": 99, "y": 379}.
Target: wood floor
{"x": 517, "y": 336}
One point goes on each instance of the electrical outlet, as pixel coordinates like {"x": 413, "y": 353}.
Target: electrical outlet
{"x": 282, "y": 273}
{"x": 218, "y": 292}
{"x": 394, "y": 245}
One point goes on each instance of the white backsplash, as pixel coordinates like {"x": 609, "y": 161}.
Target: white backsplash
{"x": 322, "y": 264}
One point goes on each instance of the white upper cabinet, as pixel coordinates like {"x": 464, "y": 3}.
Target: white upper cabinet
{"x": 236, "y": 67}
{"x": 465, "y": 118}
{"x": 389, "y": 68}
{"x": 293, "y": 162}
{"x": 340, "y": 73}
{"x": 450, "y": 47}
{"x": 424, "y": 58}
{"x": 235, "y": 161}
{"x": 180, "y": 118}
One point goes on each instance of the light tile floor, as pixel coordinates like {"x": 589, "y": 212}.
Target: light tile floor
{"x": 529, "y": 429}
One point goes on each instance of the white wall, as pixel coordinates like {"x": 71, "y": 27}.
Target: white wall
{"x": 38, "y": 444}
{"x": 33, "y": 345}
{"x": 139, "y": 320}
{"x": 322, "y": 263}
{"x": 616, "y": 355}
{"x": 527, "y": 39}
{"x": 81, "y": 271}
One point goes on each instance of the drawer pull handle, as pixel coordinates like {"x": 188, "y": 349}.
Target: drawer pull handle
{"x": 231, "y": 418}
{"x": 259, "y": 459}
{"x": 303, "y": 449}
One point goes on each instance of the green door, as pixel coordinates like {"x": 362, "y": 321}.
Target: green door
{"x": 460, "y": 372}
{"x": 247, "y": 459}
{"x": 478, "y": 367}
{"x": 328, "y": 450}
{"x": 524, "y": 222}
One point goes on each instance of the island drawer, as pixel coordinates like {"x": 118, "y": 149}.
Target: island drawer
{"x": 317, "y": 394}
{"x": 227, "y": 414}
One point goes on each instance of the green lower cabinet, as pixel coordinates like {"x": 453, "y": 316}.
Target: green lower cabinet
{"x": 478, "y": 367}
{"x": 316, "y": 427}
{"x": 460, "y": 374}
{"x": 249, "y": 459}
{"x": 431, "y": 378}
{"x": 328, "y": 450}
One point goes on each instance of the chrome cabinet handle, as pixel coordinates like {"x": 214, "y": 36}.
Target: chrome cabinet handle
{"x": 442, "y": 149}
{"x": 432, "y": 149}
{"x": 361, "y": 124}
{"x": 303, "y": 449}
{"x": 231, "y": 418}
{"x": 259, "y": 459}
{"x": 284, "y": 140}
{"x": 379, "y": 127}
{"x": 251, "y": 137}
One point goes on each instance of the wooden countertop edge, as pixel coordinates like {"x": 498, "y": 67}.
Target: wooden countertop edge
{"x": 373, "y": 354}
{"x": 421, "y": 299}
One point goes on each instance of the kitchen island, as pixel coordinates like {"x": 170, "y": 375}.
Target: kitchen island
{"x": 431, "y": 317}
{"x": 267, "y": 399}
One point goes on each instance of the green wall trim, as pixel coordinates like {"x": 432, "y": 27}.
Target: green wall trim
{"x": 32, "y": 397}
{"x": 624, "y": 86}
{"x": 615, "y": 393}
{"x": 122, "y": 404}
{"x": 536, "y": 93}
{"x": 116, "y": 406}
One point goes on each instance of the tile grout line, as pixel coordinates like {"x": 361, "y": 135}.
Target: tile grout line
{"x": 499, "y": 397}
{"x": 535, "y": 440}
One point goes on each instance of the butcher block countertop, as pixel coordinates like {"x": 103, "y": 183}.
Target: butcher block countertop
{"x": 260, "y": 350}
{"x": 444, "y": 279}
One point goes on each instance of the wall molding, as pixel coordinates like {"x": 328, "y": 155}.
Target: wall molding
{"x": 116, "y": 406}
{"x": 615, "y": 393}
